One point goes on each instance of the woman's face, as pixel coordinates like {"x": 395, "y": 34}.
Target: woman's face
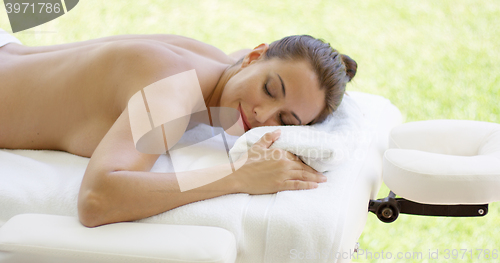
{"x": 274, "y": 92}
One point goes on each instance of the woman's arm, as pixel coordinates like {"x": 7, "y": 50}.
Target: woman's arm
{"x": 116, "y": 186}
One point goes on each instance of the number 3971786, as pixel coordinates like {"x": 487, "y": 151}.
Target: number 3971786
{"x": 46, "y": 8}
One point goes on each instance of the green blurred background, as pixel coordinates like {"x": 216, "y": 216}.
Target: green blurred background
{"x": 432, "y": 59}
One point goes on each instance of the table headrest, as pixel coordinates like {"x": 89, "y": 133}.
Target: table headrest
{"x": 444, "y": 162}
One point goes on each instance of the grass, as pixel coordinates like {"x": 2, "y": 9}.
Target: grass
{"x": 434, "y": 59}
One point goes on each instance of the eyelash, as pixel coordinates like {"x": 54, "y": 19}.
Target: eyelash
{"x": 281, "y": 119}
{"x": 266, "y": 90}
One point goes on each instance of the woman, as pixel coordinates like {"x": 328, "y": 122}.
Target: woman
{"x": 73, "y": 98}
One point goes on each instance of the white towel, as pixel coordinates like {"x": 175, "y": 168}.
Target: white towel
{"x": 314, "y": 147}
{"x": 6, "y": 38}
{"x": 273, "y": 228}
{"x": 33, "y": 181}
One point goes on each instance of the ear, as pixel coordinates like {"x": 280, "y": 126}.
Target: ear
{"x": 255, "y": 55}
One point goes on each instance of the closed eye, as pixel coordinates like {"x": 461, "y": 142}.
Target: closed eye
{"x": 280, "y": 118}
{"x": 266, "y": 90}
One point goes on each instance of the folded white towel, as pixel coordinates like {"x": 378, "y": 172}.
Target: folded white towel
{"x": 311, "y": 145}
{"x": 6, "y": 38}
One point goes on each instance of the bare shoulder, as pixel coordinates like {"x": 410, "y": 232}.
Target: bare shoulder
{"x": 193, "y": 45}
{"x": 165, "y": 44}
{"x": 134, "y": 64}
{"x": 137, "y": 63}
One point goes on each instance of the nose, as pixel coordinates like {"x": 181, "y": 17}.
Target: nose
{"x": 265, "y": 115}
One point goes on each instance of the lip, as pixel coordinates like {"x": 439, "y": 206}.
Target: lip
{"x": 246, "y": 125}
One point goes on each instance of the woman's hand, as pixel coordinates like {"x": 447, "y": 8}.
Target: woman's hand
{"x": 267, "y": 171}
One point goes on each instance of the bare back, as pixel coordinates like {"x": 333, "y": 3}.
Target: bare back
{"x": 67, "y": 97}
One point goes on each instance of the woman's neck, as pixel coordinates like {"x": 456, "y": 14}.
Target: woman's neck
{"x": 213, "y": 99}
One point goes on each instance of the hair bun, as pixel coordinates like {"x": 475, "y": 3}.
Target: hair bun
{"x": 350, "y": 66}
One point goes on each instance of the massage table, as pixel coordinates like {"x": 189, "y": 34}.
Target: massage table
{"x": 39, "y": 220}
{"x": 38, "y": 196}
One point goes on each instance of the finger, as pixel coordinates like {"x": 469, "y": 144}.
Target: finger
{"x": 277, "y": 154}
{"x": 304, "y": 175}
{"x": 300, "y": 165}
{"x": 268, "y": 139}
{"x": 298, "y": 185}
{"x": 291, "y": 156}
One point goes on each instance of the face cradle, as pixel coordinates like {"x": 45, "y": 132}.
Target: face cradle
{"x": 274, "y": 92}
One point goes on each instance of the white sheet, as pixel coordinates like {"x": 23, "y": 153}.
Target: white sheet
{"x": 268, "y": 228}
{"x": 6, "y": 38}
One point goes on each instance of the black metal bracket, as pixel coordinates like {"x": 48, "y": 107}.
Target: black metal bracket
{"x": 388, "y": 209}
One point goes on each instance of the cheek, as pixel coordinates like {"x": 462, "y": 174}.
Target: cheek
{"x": 230, "y": 94}
{"x": 244, "y": 86}
{"x": 239, "y": 90}
{"x": 253, "y": 95}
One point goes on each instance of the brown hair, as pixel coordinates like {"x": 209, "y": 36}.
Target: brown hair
{"x": 333, "y": 69}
